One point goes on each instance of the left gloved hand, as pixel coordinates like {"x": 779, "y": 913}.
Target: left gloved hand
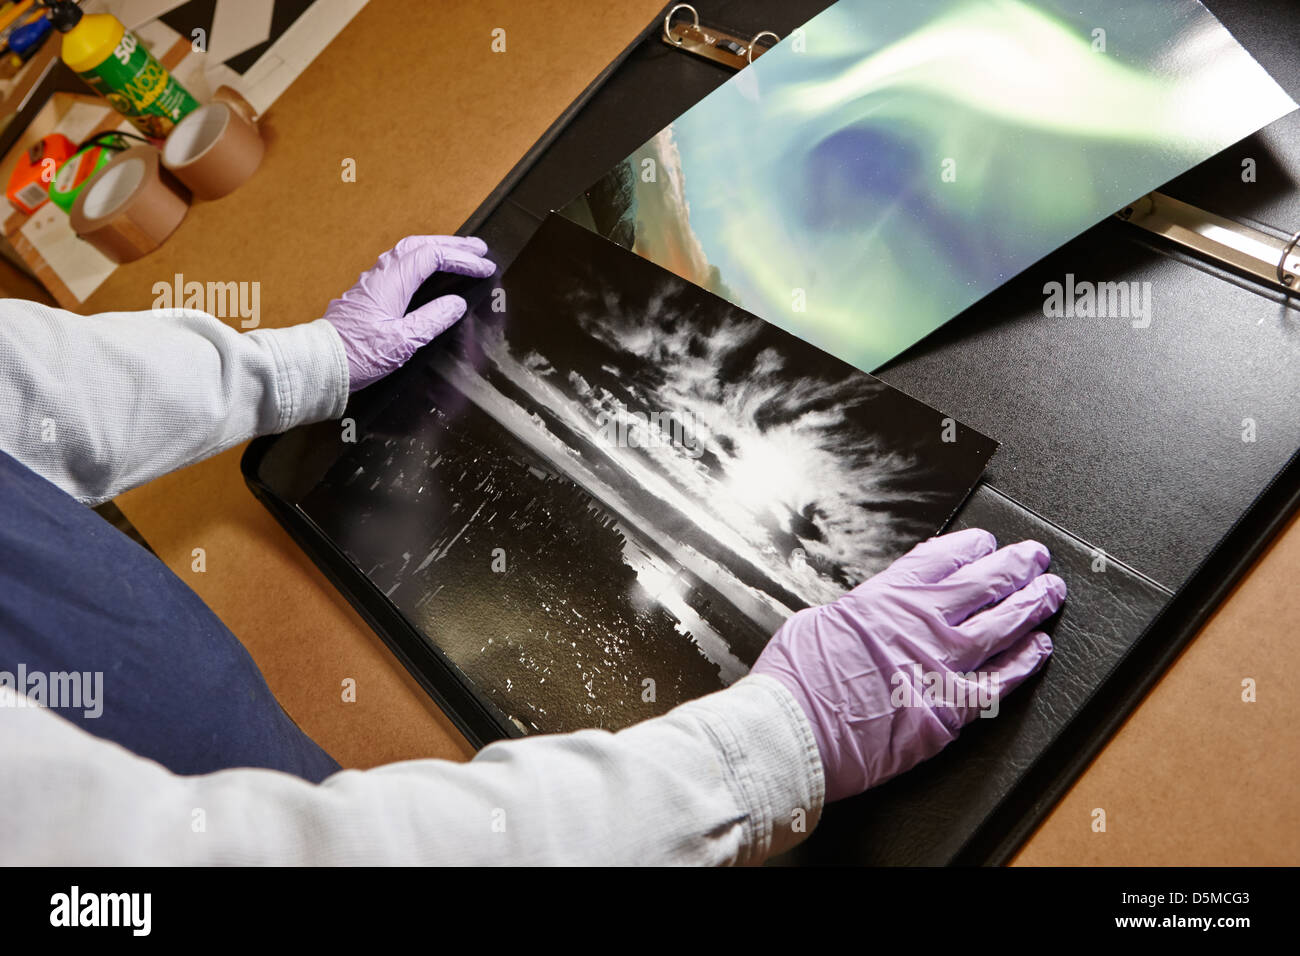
{"x": 377, "y": 336}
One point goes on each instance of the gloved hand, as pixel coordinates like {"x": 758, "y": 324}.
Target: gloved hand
{"x": 377, "y": 337}
{"x": 930, "y": 617}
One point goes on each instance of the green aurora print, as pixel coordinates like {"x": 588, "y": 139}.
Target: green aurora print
{"x": 894, "y": 161}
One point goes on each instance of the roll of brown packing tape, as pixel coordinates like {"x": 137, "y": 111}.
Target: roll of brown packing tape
{"x": 216, "y": 148}
{"x": 130, "y": 206}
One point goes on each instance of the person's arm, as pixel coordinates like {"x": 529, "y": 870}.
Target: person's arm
{"x": 99, "y": 404}
{"x": 731, "y": 778}
{"x": 839, "y": 701}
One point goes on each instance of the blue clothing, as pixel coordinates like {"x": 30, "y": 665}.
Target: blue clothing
{"x": 178, "y": 687}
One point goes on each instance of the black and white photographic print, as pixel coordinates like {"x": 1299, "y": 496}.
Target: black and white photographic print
{"x": 606, "y": 487}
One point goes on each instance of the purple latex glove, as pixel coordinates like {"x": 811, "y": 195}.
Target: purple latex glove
{"x": 377, "y": 337}
{"x": 884, "y": 673}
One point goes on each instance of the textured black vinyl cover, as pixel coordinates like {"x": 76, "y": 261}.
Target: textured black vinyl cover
{"x": 927, "y": 814}
{"x": 1121, "y": 448}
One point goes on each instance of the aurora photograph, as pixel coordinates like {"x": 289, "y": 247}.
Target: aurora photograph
{"x": 893, "y": 161}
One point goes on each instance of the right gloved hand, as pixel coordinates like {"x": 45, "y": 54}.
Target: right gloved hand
{"x": 858, "y": 667}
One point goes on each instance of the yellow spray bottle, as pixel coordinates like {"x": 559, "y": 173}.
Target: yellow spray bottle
{"x": 113, "y": 61}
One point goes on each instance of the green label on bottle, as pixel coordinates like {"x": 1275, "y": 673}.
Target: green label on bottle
{"x": 140, "y": 88}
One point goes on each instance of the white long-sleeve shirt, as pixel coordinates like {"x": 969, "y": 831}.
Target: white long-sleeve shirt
{"x": 731, "y": 778}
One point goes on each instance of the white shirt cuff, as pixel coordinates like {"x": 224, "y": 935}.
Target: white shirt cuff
{"x": 772, "y": 758}
{"x": 311, "y": 372}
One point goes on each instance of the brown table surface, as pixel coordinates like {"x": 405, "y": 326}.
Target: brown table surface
{"x": 1196, "y": 775}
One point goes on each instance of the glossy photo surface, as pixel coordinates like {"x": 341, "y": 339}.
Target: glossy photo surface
{"x": 605, "y": 488}
{"x": 895, "y": 160}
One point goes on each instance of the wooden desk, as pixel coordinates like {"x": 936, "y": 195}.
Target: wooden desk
{"x": 434, "y": 120}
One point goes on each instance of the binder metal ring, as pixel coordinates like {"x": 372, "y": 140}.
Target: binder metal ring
{"x": 668, "y": 21}
{"x": 750, "y": 49}
{"x": 1283, "y": 275}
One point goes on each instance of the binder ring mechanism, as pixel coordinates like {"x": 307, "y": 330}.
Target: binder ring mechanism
{"x": 668, "y": 22}
{"x": 713, "y": 44}
{"x": 1284, "y": 275}
{"x": 1260, "y": 255}
{"x": 759, "y": 36}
